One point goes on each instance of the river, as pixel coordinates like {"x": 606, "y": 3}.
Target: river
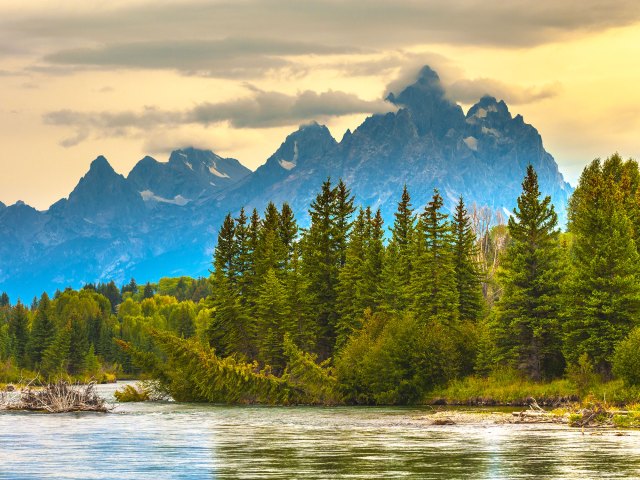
{"x": 188, "y": 441}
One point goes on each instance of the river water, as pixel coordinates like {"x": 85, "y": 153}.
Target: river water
{"x": 188, "y": 441}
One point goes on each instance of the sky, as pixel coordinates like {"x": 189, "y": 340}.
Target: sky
{"x": 125, "y": 79}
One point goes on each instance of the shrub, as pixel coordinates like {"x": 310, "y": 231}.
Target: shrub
{"x": 626, "y": 359}
{"x": 130, "y": 393}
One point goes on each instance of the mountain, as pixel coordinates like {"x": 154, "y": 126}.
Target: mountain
{"x": 188, "y": 175}
{"x": 161, "y": 219}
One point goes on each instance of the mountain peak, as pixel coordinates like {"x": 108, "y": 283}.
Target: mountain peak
{"x": 431, "y": 110}
{"x": 101, "y": 166}
{"x": 489, "y": 106}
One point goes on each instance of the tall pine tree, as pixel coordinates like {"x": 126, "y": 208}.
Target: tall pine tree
{"x": 527, "y": 317}
{"x": 467, "y": 269}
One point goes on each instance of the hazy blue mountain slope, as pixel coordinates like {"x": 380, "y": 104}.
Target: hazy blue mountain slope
{"x": 162, "y": 219}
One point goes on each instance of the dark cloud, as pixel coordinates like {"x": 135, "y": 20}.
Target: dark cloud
{"x": 229, "y": 58}
{"x": 260, "y": 110}
{"x": 376, "y": 23}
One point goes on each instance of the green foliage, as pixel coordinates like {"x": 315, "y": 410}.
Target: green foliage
{"x": 42, "y": 331}
{"x": 465, "y": 263}
{"x": 398, "y": 261}
{"x": 604, "y": 291}
{"x": 433, "y": 281}
{"x": 626, "y": 359}
{"x": 19, "y": 333}
{"x": 194, "y": 372}
{"x": 527, "y": 322}
{"x": 502, "y": 387}
{"x": 131, "y": 393}
{"x": 395, "y": 359}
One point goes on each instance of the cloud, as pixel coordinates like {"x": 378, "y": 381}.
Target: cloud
{"x": 260, "y": 110}
{"x": 81, "y": 135}
{"x": 357, "y": 22}
{"x": 464, "y": 90}
{"x": 227, "y": 58}
{"x": 469, "y": 91}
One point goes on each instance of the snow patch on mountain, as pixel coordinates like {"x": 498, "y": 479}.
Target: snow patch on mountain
{"x": 472, "y": 143}
{"x": 213, "y": 170}
{"x": 149, "y": 196}
{"x": 286, "y": 164}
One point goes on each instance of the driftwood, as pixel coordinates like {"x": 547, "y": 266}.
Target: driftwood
{"x": 59, "y": 397}
{"x": 537, "y": 414}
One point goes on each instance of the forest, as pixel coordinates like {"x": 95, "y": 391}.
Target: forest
{"x": 350, "y": 310}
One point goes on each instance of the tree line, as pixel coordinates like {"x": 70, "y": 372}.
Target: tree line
{"x": 382, "y": 314}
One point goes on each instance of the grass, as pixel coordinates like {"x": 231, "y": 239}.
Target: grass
{"x": 507, "y": 388}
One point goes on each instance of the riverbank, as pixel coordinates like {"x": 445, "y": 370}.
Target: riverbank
{"x": 509, "y": 390}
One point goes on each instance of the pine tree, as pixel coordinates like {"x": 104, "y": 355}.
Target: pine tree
{"x": 182, "y": 319}
{"x": 226, "y": 250}
{"x": 527, "y": 319}
{"x": 433, "y": 280}
{"x": 247, "y": 238}
{"x": 271, "y": 253}
{"x": 398, "y": 264}
{"x": 467, "y": 270}
{"x": 604, "y": 290}
{"x": 54, "y": 359}
{"x": 305, "y": 331}
{"x": 273, "y": 318}
{"x": 350, "y": 304}
{"x": 4, "y": 300}
{"x": 91, "y": 363}
{"x": 288, "y": 231}
{"x": 232, "y": 330}
{"x": 42, "y": 331}
{"x": 148, "y": 291}
{"x": 19, "y": 332}
{"x": 374, "y": 261}
{"x": 320, "y": 267}
{"x": 78, "y": 346}
{"x": 342, "y": 211}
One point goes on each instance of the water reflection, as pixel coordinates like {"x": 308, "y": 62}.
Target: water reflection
{"x": 170, "y": 441}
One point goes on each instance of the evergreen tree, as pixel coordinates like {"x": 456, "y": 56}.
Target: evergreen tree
{"x": 324, "y": 253}
{"x": 604, "y": 291}
{"x": 467, "y": 271}
{"x": 370, "y": 291}
{"x": 54, "y": 359}
{"x": 342, "y": 211}
{"x": 304, "y": 333}
{"x": 271, "y": 253}
{"x": 349, "y": 303}
{"x": 433, "y": 280}
{"x": 182, "y": 320}
{"x": 4, "y": 300}
{"x": 527, "y": 323}
{"x": 320, "y": 267}
{"x": 91, "y": 363}
{"x": 109, "y": 290}
{"x": 78, "y": 346}
{"x": 19, "y": 332}
{"x": 148, "y": 291}
{"x": 231, "y": 331}
{"x": 288, "y": 232}
{"x": 226, "y": 250}
{"x": 398, "y": 265}
{"x": 42, "y": 331}
{"x": 274, "y": 318}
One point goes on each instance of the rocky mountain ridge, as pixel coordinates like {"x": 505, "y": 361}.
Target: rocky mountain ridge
{"x": 161, "y": 219}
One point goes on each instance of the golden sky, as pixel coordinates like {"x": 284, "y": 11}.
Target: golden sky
{"x": 129, "y": 78}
